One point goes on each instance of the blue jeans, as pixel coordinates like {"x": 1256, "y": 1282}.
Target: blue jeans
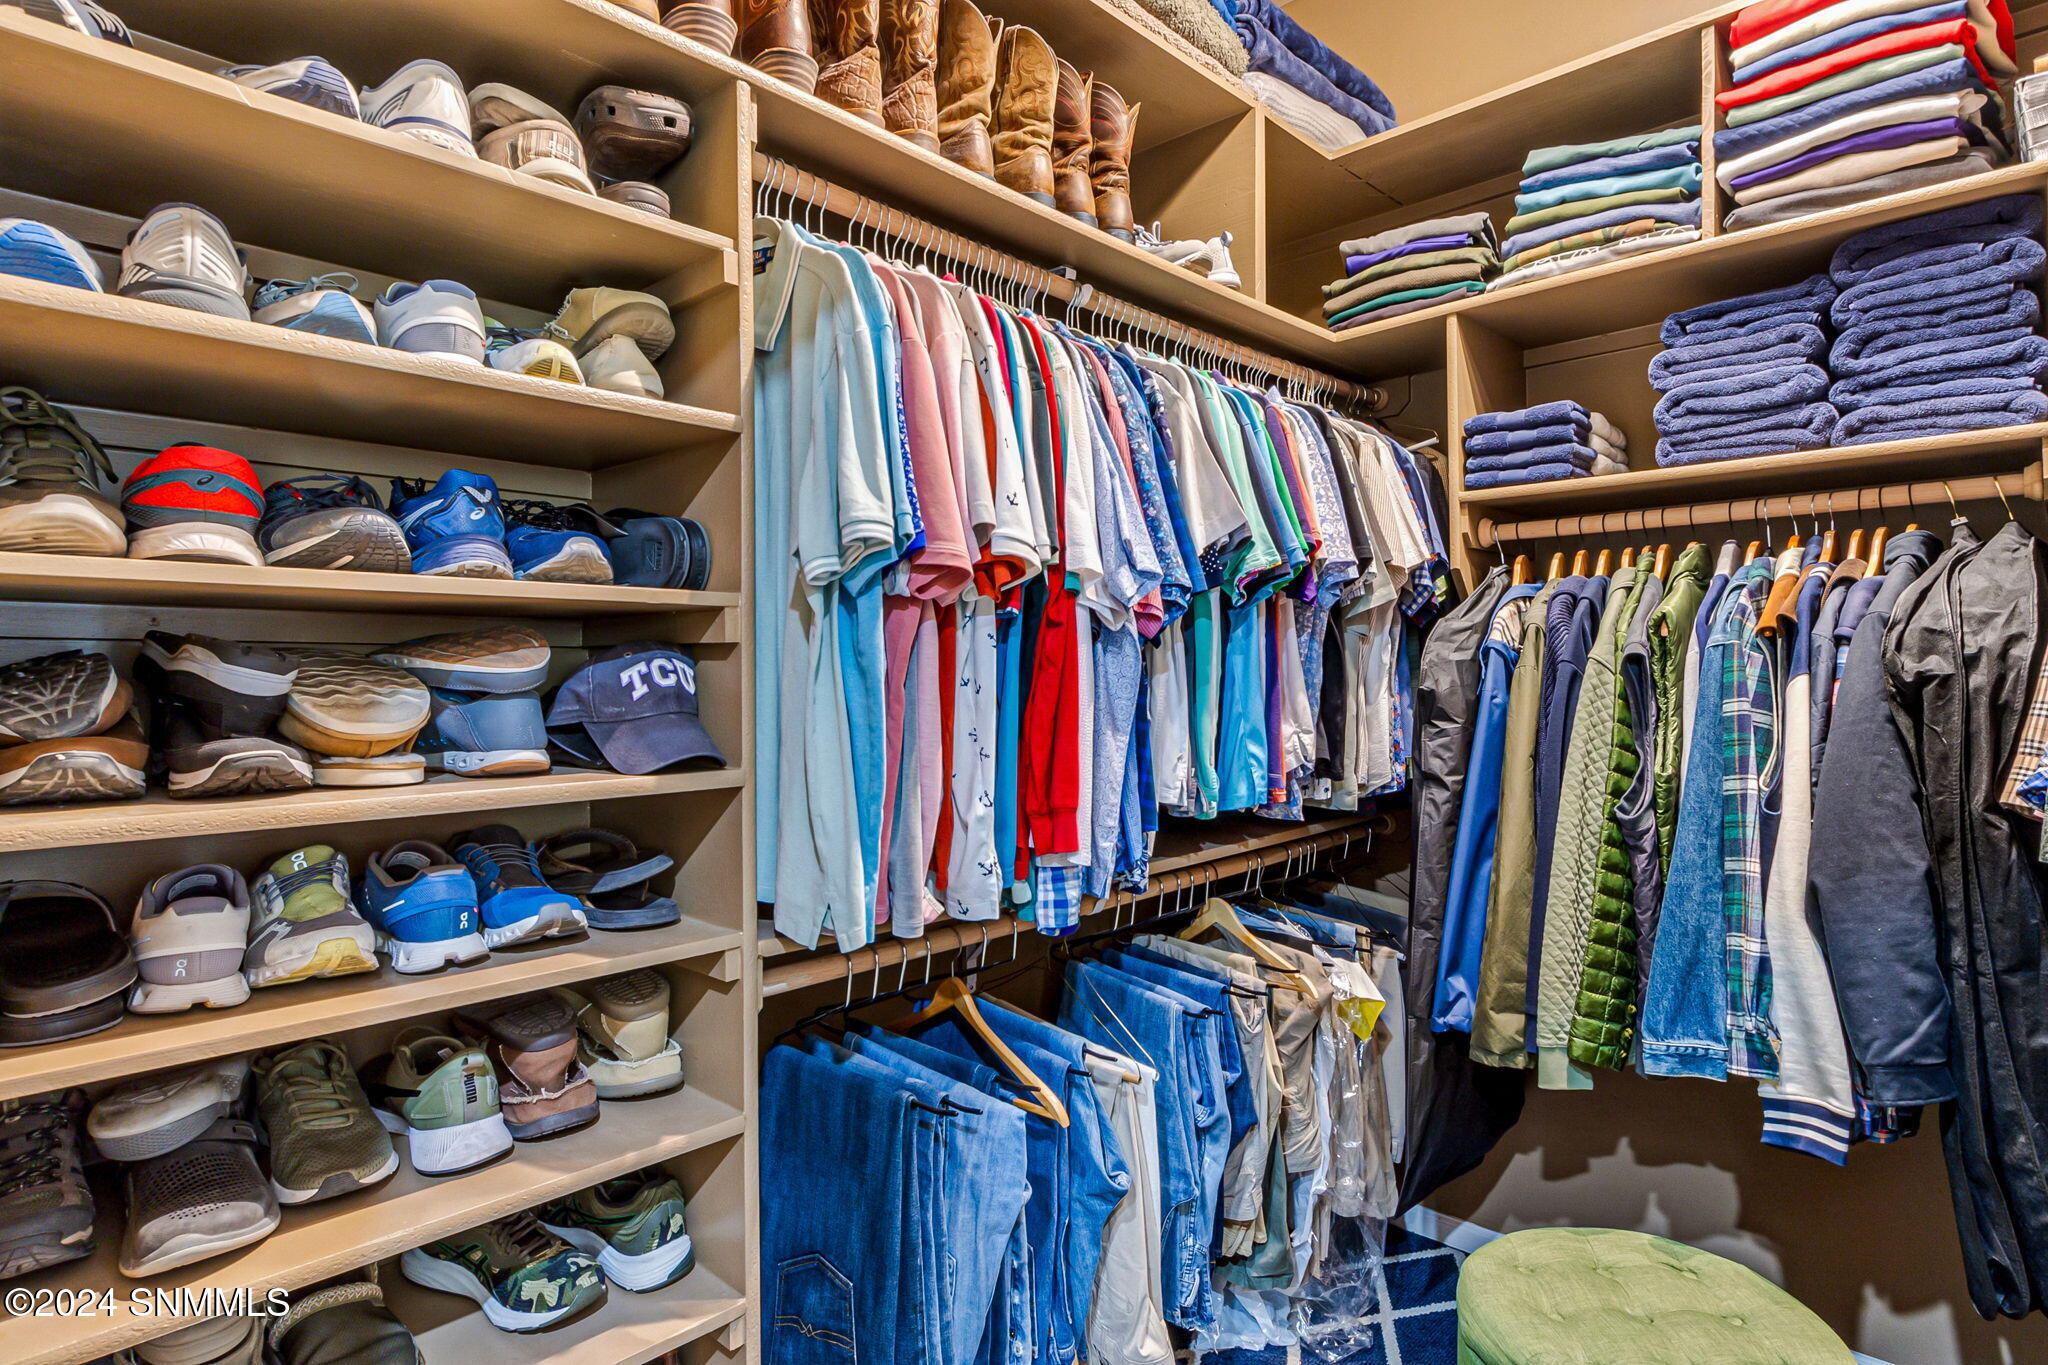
{"x": 1208, "y": 989}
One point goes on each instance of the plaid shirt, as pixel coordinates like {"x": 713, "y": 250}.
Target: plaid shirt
{"x": 1057, "y": 898}
{"x": 1749, "y": 730}
{"x": 2026, "y": 782}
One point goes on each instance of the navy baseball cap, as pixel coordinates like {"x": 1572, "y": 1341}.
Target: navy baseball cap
{"x": 632, "y": 708}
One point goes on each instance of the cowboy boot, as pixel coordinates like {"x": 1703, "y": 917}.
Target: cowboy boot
{"x": 1072, "y": 192}
{"x": 1025, "y": 85}
{"x": 644, "y": 8}
{"x": 775, "y": 38}
{"x": 910, "y": 69}
{"x": 1109, "y": 161}
{"x": 967, "y": 79}
{"x": 709, "y": 22}
{"x": 850, "y": 65}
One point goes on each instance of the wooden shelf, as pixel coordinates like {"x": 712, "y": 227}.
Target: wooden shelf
{"x": 103, "y": 350}
{"x": 320, "y": 1240}
{"x": 627, "y": 1330}
{"x": 1813, "y": 471}
{"x": 278, "y": 172}
{"x": 156, "y": 816}
{"x": 288, "y": 1014}
{"x": 161, "y": 582}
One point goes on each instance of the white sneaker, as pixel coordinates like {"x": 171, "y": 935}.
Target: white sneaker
{"x": 438, "y": 317}
{"x": 618, "y": 364}
{"x": 494, "y": 105}
{"x": 308, "y": 80}
{"x": 190, "y": 929}
{"x": 152, "y": 1115}
{"x": 541, "y": 357}
{"x": 184, "y": 256}
{"x": 422, "y": 99}
{"x": 1211, "y": 257}
{"x": 324, "y": 305}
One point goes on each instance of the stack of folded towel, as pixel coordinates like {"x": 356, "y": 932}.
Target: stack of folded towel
{"x": 1550, "y": 441}
{"x": 1837, "y": 102}
{"x": 1745, "y": 377}
{"x": 1579, "y": 206}
{"x": 1410, "y": 268}
{"x": 1939, "y": 325}
{"x": 1306, "y": 85}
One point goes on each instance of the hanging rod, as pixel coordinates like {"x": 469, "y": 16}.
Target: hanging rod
{"x": 927, "y": 236}
{"x": 2026, "y": 484}
{"x": 1197, "y": 877}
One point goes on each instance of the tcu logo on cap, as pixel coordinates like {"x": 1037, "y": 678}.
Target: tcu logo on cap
{"x": 663, "y": 670}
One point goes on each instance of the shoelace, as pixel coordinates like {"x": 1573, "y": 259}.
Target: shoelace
{"x": 277, "y": 291}
{"x": 304, "y": 877}
{"x": 36, "y": 1154}
{"x": 526, "y": 1238}
{"x": 41, "y": 443}
{"x": 323, "y": 490}
{"x": 497, "y": 335}
{"x": 544, "y": 516}
{"x": 499, "y": 859}
{"x": 313, "y": 1091}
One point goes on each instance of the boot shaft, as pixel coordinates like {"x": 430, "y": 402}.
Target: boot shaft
{"x": 910, "y": 60}
{"x": 775, "y": 37}
{"x": 966, "y": 86}
{"x": 1113, "y": 125}
{"x": 849, "y": 61}
{"x": 1073, "y": 193}
{"x": 710, "y": 22}
{"x": 1026, "y": 84}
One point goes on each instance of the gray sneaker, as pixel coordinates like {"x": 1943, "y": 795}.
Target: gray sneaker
{"x": 304, "y": 925}
{"x": 183, "y": 256}
{"x": 343, "y": 1322}
{"x": 324, "y": 1139}
{"x": 216, "y": 1341}
{"x": 205, "y": 1199}
{"x": 53, "y": 482}
{"x": 45, "y": 1206}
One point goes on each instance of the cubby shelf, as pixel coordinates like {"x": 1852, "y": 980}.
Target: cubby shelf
{"x": 626, "y": 1329}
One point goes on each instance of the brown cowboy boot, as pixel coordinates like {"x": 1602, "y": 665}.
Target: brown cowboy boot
{"x": 644, "y": 8}
{"x": 1109, "y": 161}
{"x": 1072, "y": 192}
{"x": 1025, "y": 84}
{"x": 709, "y": 22}
{"x": 967, "y": 80}
{"x": 850, "y": 65}
{"x": 775, "y": 37}
{"x": 910, "y": 70}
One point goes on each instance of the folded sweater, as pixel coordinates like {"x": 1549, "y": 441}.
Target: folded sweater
{"x": 1973, "y": 162}
{"x": 1898, "y": 42}
{"x": 1476, "y": 226}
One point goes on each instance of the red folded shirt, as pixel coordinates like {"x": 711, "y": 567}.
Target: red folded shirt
{"x": 1768, "y": 16}
{"x": 1899, "y": 41}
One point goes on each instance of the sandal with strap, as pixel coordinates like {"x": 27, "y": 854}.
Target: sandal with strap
{"x": 609, "y": 874}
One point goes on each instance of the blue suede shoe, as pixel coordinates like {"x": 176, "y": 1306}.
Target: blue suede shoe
{"x": 483, "y": 735}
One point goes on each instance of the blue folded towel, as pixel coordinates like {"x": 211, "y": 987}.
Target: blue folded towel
{"x": 1740, "y": 425}
{"x": 1567, "y": 453}
{"x": 1771, "y": 308}
{"x": 1932, "y": 378}
{"x": 1625, "y": 163}
{"x": 1702, "y": 402}
{"x": 1682, "y": 215}
{"x": 1879, "y": 349}
{"x": 1941, "y": 79}
{"x": 1542, "y": 473}
{"x": 1749, "y": 370}
{"x": 1770, "y": 348}
{"x": 1940, "y": 280}
{"x": 1883, "y": 250}
{"x": 1317, "y": 53}
{"x": 1786, "y": 441}
{"x": 1543, "y": 414}
{"x": 1527, "y": 438}
{"x": 1940, "y": 416}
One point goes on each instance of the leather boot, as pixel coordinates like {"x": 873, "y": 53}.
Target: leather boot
{"x": 709, "y": 22}
{"x": 775, "y": 37}
{"x": 849, "y": 63}
{"x": 1109, "y": 161}
{"x": 967, "y": 82}
{"x": 1026, "y": 82}
{"x": 910, "y": 70}
{"x": 644, "y": 8}
{"x": 1072, "y": 192}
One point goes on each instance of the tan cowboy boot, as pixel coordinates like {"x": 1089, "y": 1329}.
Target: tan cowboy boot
{"x": 1025, "y": 85}
{"x": 850, "y": 65}
{"x": 1109, "y": 161}
{"x": 967, "y": 82}
{"x": 910, "y": 70}
{"x": 1072, "y": 192}
{"x": 709, "y": 22}
{"x": 775, "y": 37}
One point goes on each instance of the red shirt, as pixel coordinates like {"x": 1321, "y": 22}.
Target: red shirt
{"x": 1768, "y": 16}
{"x": 1899, "y": 41}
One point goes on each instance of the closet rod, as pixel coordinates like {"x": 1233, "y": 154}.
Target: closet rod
{"x": 885, "y": 953}
{"x": 781, "y": 177}
{"x": 2026, "y": 484}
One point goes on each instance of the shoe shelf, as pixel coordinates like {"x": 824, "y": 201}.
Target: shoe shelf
{"x": 157, "y": 816}
{"x": 317, "y": 1241}
{"x": 626, "y": 1329}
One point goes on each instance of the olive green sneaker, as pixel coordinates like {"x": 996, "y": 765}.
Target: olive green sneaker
{"x": 523, "y": 1276}
{"x": 634, "y": 1226}
{"x": 324, "y": 1138}
{"x": 443, "y": 1096}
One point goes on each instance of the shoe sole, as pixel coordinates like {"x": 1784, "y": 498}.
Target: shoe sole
{"x": 244, "y": 774}
{"x": 431, "y": 1272}
{"x": 344, "y": 708}
{"x": 335, "y": 957}
{"x": 194, "y": 295}
{"x": 554, "y": 1123}
{"x": 368, "y": 542}
{"x": 663, "y": 911}
{"x": 168, "y": 1136}
{"x": 664, "y": 1073}
{"x": 577, "y": 562}
{"x": 35, "y": 252}
{"x": 182, "y": 1251}
{"x": 196, "y": 542}
{"x": 497, "y": 661}
{"x": 91, "y": 701}
{"x": 555, "y": 368}
{"x": 450, "y": 1151}
{"x": 646, "y": 325}
{"x": 62, "y": 524}
{"x": 38, "y": 1253}
{"x": 72, "y": 770}
{"x": 656, "y": 1269}
{"x": 417, "y": 959}
{"x": 340, "y": 1183}
{"x": 490, "y": 763}
{"x": 178, "y": 996}
{"x": 474, "y": 557}
{"x": 554, "y": 924}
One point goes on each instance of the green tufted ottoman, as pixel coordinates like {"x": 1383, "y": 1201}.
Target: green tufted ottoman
{"x": 1596, "y": 1296}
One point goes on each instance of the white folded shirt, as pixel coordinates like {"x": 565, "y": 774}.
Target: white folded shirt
{"x": 1957, "y": 104}
{"x": 1849, "y": 12}
{"x": 1853, "y": 168}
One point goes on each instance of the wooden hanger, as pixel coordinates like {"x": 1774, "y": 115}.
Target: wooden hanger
{"x": 953, "y": 997}
{"x": 1756, "y": 547}
{"x": 1779, "y": 605}
{"x": 1856, "y": 543}
{"x": 1556, "y": 569}
{"x": 1603, "y": 565}
{"x": 1578, "y": 563}
{"x": 1877, "y": 540}
{"x": 1221, "y": 915}
{"x": 1827, "y": 546}
{"x": 1663, "y": 569}
{"x": 1523, "y": 571}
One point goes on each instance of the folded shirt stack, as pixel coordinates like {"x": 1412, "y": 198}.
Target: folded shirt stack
{"x": 1409, "y": 268}
{"x": 1560, "y": 440}
{"x": 1305, "y": 84}
{"x": 1938, "y": 325}
{"x": 1835, "y": 103}
{"x": 1583, "y": 205}
{"x": 1745, "y": 376}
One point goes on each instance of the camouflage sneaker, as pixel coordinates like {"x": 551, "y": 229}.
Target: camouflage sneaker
{"x": 324, "y": 1139}
{"x": 523, "y": 1276}
{"x": 633, "y": 1225}
{"x": 45, "y": 1206}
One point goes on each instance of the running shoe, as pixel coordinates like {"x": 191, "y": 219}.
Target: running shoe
{"x": 325, "y": 1139}
{"x": 435, "y": 318}
{"x": 423, "y": 906}
{"x": 54, "y": 482}
{"x": 330, "y": 521}
{"x": 441, "y": 1094}
{"x": 183, "y": 256}
{"x": 618, "y": 365}
{"x": 423, "y": 100}
{"x": 622, "y": 1023}
{"x": 46, "y": 1210}
{"x": 552, "y": 544}
{"x": 324, "y": 305}
{"x": 495, "y": 105}
{"x": 150, "y": 1115}
{"x": 476, "y": 734}
{"x": 306, "y": 80}
{"x": 542, "y": 148}
{"x": 591, "y": 316}
{"x": 545, "y": 1087}
{"x": 190, "y": 929}
{"x": 80, "y": 16}
{"x": 529, "y": 353}
{"x": 636, "y": 1226}
{"x": 346, "y": 706}
{"x": 633, "y": 134}
{"x": 37, "y": 251}
{"x": 523, "y": 1276}
{"x": 194, "y": 502}
{"x": 456, "y": 527}
{"x": 203, "y": 1199}
{"x": 517, "y": 903}
{"x": 213, "y": 703}
{"x": 61, "y": 696}
{"x": 304, "y": 926}
{"x": 496, "y": 659}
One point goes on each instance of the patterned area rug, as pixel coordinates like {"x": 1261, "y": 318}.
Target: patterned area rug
{"x": 1416, "y": 1322}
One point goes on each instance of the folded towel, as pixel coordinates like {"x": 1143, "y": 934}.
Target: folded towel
{"x": 1407, "y": 301}
{"x": 1266, "y": 53}
{"x": 1870, "y": 140}
{"x": 1838, "y": 61}
{"x": 1585, "y": 258}
{"x": 1855, "y": 78}
{"x": 1686, "y": 214}
{"x": 1406, "y": 265}
{"x": 1742, "y": 72}
{"x": 1361, "y": 295}
{"x": 1894, "y": 245}
{"x": 1528, "y": 419}
{"x": 1860, "y": 350}
{"x": 1354, "y": 264}
{"x": 1628, "y": 163}
{"x": 1685, "y": 177}
{"x": 1938, "y": 279}
{"x": 2019, "y": 358}
{"x": 1473, "y": 226}
{"x": 1790, "y": 344}
{"x": 1787, "y": 442}
{"x": 1597, "y": 431}
{"x": 1704, "y": 400}
{"x": 1310, "y": 117}
{"x": 1585, "y": 208}
{"x": 1591, "y": 241}
{"x": 1814, "y": 420}
{"x": 1956, "y": 77}
{"x": 1855, "y": 168}
{"x": 1667, "y": 378}
{"x": 1940, "y": 417}
{"x": 1541, "y": 473}
{"x": 1551, "y": 158}
{"x": 1790, "y": 206}
{"x": 1751, "y": 312}
{"x": 1955, "y": 104}
{"x": 1769, "y": 26}
{"x": 1581, "y": 456}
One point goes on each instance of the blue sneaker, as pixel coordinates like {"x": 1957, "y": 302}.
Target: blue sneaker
{"x": 325, "y": 305}
{"x": 480, "y": 735}
{"x": 38, "y": 251}
{"x": 551, "y": 544}
{"x": 456, "y": 528}
{"x": 518, "y": 904}
{"x": 422, "y": 903}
